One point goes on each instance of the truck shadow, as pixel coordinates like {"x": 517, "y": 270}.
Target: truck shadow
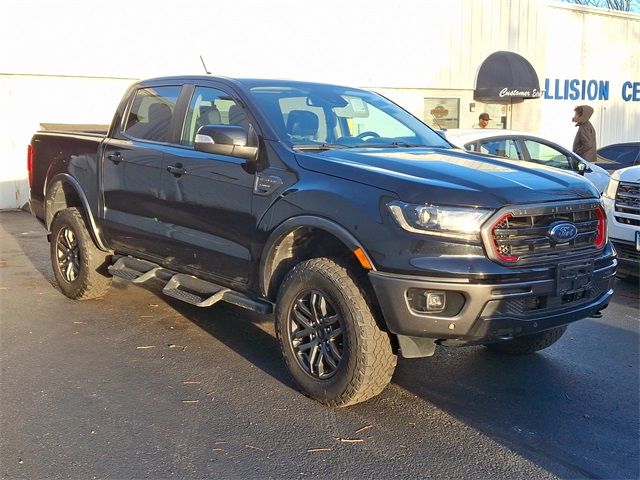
{"x": 574, "y": 406}
{"x": 247, "y": 333}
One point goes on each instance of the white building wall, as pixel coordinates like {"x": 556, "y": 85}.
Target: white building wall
{"x": 407, "y": 50}
{"x": 28, "y": 101}
{"x": 589, "y": 43}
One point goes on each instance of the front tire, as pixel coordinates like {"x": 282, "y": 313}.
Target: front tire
{"x": 528, "y": 344}
{"x": 79, "y": 267}
{"x": 330, "y": 341}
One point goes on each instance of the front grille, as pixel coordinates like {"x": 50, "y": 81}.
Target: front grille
{"x": 628, "y": 221}
{"x": 628, "y": 198}
{"x": 627, "y": 251}
{"x": 547, "y": 303}
{"x": 523, "y": 236}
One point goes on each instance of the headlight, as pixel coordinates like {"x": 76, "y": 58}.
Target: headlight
{"x": 612, "y": 189}
{"x": 454, "y": 222}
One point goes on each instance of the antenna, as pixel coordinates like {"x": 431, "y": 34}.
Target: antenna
{"x": 205, "y": 67}
{"x": 438, "y": 123}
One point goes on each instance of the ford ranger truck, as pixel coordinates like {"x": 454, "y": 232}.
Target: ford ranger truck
{"x": 365, "y": 233}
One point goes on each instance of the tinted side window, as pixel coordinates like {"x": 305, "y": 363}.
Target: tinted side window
{"x": 209, "y": 106}
{"x": 547, "y": 155}
{"x": 624, "y": 154}
{"x": 150, "y": 114}
{"x": 504, "y": 147}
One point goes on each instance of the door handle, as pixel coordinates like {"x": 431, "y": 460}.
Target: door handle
{"x": 115, "y": 157}
{"x": 177, "y": 170}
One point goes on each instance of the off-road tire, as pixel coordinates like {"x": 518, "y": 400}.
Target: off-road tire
{"x": 79, "y": 267}
{"x": 528, "y": 344}
{"x": 367, "y": 362}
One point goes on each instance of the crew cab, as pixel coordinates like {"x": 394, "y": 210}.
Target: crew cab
{"x": 365, "y": 233}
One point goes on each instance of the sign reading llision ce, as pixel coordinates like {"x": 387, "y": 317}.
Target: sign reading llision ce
{"x": 508, "y": 78}
{"x": 579, "y": 89}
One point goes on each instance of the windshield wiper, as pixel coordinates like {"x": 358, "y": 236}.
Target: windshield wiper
{"x": 321, "y": 146}
{"x": 392, "y": 145}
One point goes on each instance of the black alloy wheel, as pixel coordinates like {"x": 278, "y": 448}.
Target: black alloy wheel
{"x": 316, "y": 334}
{"x": 67, "y": 254}
{"x": 80, "y": 268}
{"x": 328, "y": 333}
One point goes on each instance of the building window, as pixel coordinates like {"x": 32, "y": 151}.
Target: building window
{"x": 442, "y": 113}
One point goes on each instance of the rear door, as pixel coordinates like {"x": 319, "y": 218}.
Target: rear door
{"x": 206, "y": 213}
{"x": 131, "y": 170}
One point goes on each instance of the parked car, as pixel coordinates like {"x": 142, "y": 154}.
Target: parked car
{"x": 364, "y": 232}
{"x": 619, "y": 155}
{"x": 622, "y": 204}
{"x": 528, "y": 147}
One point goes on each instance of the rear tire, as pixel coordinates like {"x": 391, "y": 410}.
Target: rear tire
{"x": 528, "y": 344}
{"x": 329, "y": 337}
{"x": 79, "y": 267}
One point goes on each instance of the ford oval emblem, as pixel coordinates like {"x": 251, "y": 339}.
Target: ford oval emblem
{"x": 562, "y": 232}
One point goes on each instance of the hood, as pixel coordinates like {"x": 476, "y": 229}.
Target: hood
{"x": 587, "y": 111}
{"x": 449, "y": 176}
{"x": 628, "y": 174}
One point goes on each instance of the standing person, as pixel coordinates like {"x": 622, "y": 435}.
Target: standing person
{"x": 585, "y": 142}
{"x": 483, "y": 120}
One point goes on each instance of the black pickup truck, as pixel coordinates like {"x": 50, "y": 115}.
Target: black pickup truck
{"x": 363, "y": 231}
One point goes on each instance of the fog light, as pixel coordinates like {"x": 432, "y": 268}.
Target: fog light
{"x": 439, "y": 303}
{"x": 436, "y": 301}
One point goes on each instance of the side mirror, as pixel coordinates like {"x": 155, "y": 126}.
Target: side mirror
{"x": 583, "y": 168}
{"x": 231, "y": 140}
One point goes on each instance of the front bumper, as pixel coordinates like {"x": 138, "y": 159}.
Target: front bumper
{"x": 482, "y": 310}
{"x": 628, "y": 257}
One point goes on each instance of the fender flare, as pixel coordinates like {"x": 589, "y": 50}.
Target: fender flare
{"x": 61, "y": 179}
{"x": 294, "y": 223}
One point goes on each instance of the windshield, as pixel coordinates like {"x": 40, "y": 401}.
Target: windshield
{"x": 324, "y": 116}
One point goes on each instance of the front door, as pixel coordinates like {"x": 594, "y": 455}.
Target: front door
{"x": 207, "y": 215}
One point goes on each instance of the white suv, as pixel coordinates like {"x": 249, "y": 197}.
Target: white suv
{"x": 622, "y": 202}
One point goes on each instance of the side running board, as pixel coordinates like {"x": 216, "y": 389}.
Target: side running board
{"x": 133, "y": 269}
{"x": 193, "y": 290}
{"x": 186, "y": 288}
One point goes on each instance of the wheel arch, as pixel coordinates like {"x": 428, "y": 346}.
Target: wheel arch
{"x": 301, "y": 238}
{"x": 63, "y": 191}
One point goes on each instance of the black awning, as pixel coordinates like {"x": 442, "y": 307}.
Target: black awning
{"x": 506, "y": 77}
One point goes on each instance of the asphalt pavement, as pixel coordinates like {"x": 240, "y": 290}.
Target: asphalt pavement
{"x": 137, "y": 385}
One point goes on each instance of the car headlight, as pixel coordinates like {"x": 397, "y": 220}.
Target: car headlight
{"x": 612, "y": 189}
{"x": 453, "y": 222}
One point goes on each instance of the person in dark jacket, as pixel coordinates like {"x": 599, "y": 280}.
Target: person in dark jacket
{"x": 585, "y": 142}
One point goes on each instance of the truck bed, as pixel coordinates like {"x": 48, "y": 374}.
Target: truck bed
{"x": 69, "y": 149}
{"x": 92, "y": 128}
